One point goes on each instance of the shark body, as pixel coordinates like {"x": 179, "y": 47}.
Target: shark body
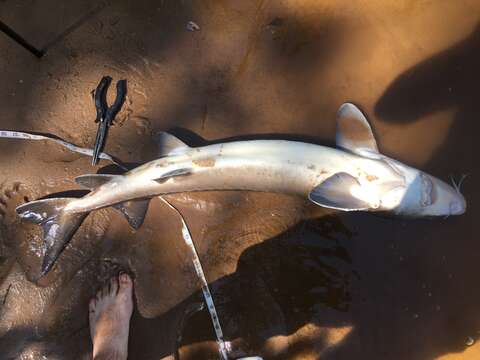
{"x": 353, "y": 177}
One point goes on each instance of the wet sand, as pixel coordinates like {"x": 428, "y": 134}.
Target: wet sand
{"x": 290, "y": 280}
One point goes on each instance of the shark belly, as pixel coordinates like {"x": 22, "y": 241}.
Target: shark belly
{"x": 264, "y": 165}
{"x": 268, "y": 166}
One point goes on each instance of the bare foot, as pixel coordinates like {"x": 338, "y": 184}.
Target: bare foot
{"x": 110, "y": 313}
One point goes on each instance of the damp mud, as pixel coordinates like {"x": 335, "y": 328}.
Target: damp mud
{"x": 290, "y": 280}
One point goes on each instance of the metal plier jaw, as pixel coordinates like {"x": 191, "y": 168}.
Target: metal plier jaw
{"x": 106, "y": 114}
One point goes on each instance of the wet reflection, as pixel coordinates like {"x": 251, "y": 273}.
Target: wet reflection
{"x": 280, "y": 286}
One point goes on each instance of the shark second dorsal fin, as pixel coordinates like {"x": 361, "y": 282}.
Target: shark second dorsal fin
{"x": 169, "y": 144}
{"x": 354, "y": 132}
{"x": 93, "y": 181}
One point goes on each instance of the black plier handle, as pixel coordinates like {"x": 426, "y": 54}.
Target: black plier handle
{"x": 106, "y": 114}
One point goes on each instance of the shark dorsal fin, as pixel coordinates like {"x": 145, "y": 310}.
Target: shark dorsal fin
{"x": 354, "y": 132}
{"x": 169, "y": 144}
{"x": 93, "y": 181}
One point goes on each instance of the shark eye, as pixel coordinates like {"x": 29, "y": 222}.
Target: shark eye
{"x": 427, "y": 191}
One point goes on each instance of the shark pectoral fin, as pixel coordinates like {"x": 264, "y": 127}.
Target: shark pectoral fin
{"x": 134, "y": 211}
{"x": 392, "y": 194}
{"x": 92, "y": 181}
{"x": 354, "y": 132}
{"x": 336, "y": 193}
{"x": 169, "y": 144}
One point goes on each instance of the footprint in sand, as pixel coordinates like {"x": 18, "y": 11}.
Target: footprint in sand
{"x": 10, "y": 197}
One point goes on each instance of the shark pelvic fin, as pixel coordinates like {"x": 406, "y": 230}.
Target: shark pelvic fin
{"x": 169, "y": 144}
{"x": 93, "y": 181}
{"x": 134, "y": 211}
{"x": 336, "y": 193}
{"x": 58, "y": 225}
{"x": 354, "y": 132}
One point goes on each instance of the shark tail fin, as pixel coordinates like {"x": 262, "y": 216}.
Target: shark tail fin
{"x": 58, "y": 225}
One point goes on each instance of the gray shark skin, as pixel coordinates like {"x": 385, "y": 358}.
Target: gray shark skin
{"x": 353, "y": 177}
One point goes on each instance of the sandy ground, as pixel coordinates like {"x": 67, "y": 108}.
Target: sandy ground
{"x": 291, "y": 281}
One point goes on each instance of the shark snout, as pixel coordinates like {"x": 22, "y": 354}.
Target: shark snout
{"x": 458, "y": 206}
{"x": 440, "y": 198}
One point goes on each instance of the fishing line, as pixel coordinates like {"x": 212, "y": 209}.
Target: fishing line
{"x": 23, "y": 135}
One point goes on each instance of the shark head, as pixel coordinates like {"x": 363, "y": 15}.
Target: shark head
{"x": 397, "y": 187}
{"x": 426, "y": 195}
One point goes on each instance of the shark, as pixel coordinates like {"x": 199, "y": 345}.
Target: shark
{"x": 354, "y": 176}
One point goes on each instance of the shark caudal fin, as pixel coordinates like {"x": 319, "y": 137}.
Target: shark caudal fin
{"x": 58, "y": 225}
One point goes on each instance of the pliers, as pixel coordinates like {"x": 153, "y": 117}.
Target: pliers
{"x": 106, "y": 114}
